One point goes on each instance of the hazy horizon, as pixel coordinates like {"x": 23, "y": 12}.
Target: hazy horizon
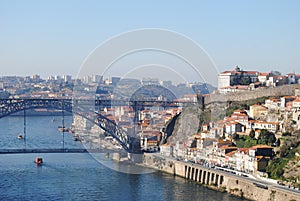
{"x": 55, "y": 37}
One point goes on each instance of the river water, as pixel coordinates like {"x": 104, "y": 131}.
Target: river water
{"x": 79, "y": 176}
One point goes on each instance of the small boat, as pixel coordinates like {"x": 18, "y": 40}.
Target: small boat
{"x": 20, "y": 137}
{"x": 38, "y": 161}
{"x": 63, "y": 129}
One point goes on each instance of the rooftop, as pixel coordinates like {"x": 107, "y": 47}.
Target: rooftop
{"x": 261, "y": 147}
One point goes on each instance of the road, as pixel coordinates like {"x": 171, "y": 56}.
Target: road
{"x": 250, "y": 178}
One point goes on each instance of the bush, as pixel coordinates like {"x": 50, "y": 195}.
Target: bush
{"x": 275, "y": 168}
{"x": 266, "y": 137}
{"x": 245, "y": 142}
{"x": 286, "y": 134}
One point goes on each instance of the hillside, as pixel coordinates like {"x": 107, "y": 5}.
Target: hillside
{"x": 292, "y": 168}
{"x": 187, "y": 124}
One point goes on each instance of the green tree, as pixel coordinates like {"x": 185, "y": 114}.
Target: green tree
{"x": 240, "y": 143}
{"x": 275, "y": 168}
{"x": 272, "y": 138}
{"x": 266, "y": 137}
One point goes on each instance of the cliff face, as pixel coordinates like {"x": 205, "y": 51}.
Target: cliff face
{"x": 171, "y": 125}
{"x": 187, "y": 124}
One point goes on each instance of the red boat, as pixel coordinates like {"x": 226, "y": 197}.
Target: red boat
{"x": 38, "y": 161}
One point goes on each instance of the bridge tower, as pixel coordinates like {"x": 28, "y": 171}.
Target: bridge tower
{"x": 24, "y": 131}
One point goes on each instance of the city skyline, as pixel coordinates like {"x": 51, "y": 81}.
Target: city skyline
{"x": 55, "y": 37}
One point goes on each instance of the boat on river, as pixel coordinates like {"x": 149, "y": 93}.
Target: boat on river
{"x": 63, "y": 129}
{"x": 38, "y": 161}
{"x": 20, "y": 137}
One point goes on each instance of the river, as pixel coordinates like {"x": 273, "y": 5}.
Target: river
{"x": 79, "y": 176}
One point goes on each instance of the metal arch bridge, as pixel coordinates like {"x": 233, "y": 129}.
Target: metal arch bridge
{"x": 82, "y": 108}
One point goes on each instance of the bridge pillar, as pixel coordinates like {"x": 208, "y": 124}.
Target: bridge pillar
{"x": 200, "y": 175}
{"x": 203, "y": 177}
{"x": 217, "y": 180}
{"x": 212, "y": 179}
{"x": 221, "y": 180}
{"x": 208, "y": 178}
{"x": 189, "y": 172}
{"x": 137, "y": 158}
{"x": 192, "y": 173}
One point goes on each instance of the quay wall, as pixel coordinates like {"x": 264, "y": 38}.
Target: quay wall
{"x": 219, "y": 180}
{"x": 285, "y": 90}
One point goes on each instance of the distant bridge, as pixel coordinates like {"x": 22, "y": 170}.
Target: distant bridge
{"x": 88, "y": 109}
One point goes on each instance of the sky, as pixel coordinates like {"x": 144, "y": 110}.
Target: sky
{"x": 55, "y": 37}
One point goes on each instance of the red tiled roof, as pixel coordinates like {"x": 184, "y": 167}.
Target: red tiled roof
{"x": 297, "y": 100}
{"x": 230, "y": 154}
{"x": 264, "y": 122}
{"x": 228, "y": 147}
{"x": 245, "y": 150}
{"x": 264, "y": 74}
{"x": 261, "y": 147}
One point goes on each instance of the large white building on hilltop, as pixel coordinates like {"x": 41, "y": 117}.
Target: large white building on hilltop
{"x": 240, "y": 80}
{"x": 237, "y": 77}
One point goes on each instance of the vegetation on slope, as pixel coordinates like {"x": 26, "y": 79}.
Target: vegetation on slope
{"x": 286, "y": 165}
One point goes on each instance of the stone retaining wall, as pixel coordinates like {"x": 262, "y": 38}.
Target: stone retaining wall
{"x": 248, "y": 95}
{"x": 219, "y": 180}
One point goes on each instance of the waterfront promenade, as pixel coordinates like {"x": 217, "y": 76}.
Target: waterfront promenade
{"x": 243, "y": 186}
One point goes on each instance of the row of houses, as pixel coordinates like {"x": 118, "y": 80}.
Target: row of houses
{"x": 249, "y": 160}
{"x": 258, "y": 117}
{"x": 221, "y": 153}
{"x": 207, "y": 146}
{"x": 238, "y": 123}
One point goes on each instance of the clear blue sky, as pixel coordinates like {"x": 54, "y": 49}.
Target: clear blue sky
{"x": 54, "y": 37}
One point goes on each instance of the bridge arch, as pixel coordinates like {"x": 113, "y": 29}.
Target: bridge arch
{"x": 129, "y": 144}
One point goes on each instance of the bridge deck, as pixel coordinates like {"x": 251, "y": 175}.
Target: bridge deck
{"x": 28, "y": 151}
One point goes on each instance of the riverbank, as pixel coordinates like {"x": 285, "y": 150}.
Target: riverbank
{"x": 220, "y": 180}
